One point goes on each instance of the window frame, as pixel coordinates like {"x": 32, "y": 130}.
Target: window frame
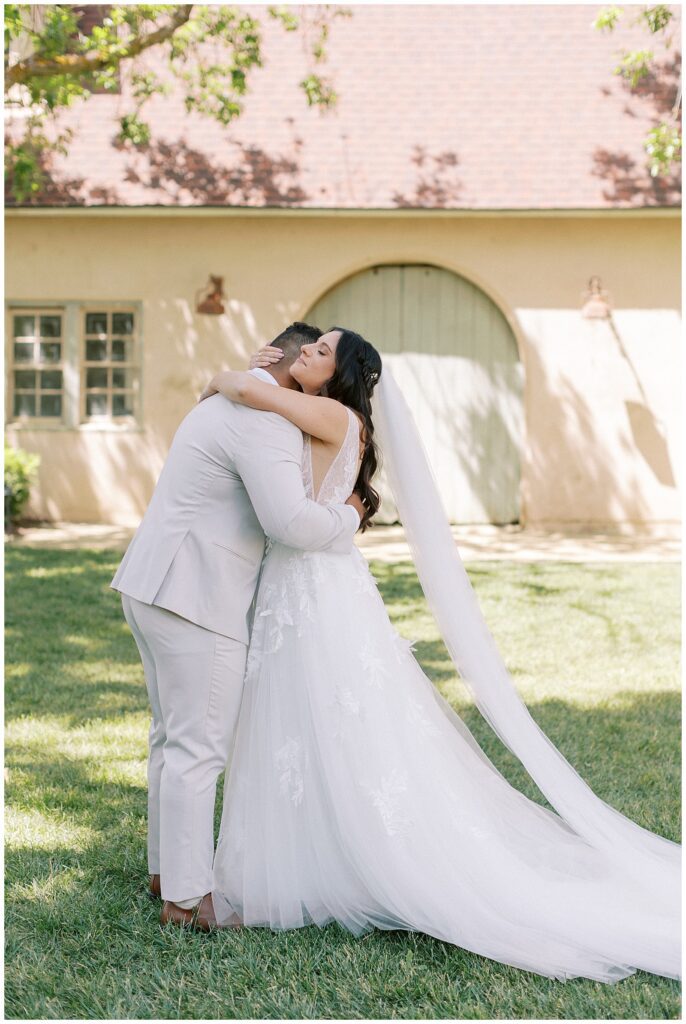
{"x": 109, "y": 365}
{"x": 73, "y": 368}
{"x": 35, "y": 310}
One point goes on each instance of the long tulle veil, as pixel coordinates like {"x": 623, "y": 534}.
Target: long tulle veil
{"x": 473, "y": 650}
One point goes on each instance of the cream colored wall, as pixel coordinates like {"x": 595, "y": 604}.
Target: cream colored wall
{"x": 602, "y": 433}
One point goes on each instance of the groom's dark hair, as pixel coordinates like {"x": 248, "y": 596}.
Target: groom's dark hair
{"x": 294, "y": 337}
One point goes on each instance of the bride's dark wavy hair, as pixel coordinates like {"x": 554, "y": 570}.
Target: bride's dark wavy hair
{"x": 358, "y": 368}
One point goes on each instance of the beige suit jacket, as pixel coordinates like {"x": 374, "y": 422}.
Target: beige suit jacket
{"x": 232, "y": 475}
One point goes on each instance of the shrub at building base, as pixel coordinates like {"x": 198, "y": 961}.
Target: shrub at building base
{"x": 20, "y": 473}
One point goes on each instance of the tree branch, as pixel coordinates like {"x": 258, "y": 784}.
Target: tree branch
{"x": 79, "y": 64}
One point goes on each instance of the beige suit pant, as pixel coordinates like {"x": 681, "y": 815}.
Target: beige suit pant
{"x": 194, "y": 679}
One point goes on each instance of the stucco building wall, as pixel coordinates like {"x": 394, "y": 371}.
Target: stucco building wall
{"x": 602, "y": 413}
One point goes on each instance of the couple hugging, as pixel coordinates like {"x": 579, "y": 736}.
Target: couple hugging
{"x": 353, "y": 791}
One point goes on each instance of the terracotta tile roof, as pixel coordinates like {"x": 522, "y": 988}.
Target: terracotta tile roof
{"x": 451, "y": 107}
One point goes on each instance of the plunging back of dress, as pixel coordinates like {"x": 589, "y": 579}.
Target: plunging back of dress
{"x": 339, "y": 479}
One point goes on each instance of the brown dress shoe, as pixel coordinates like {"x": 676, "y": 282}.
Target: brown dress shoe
{"x": 155, "y": 890}
{"x": 201, "y": 918}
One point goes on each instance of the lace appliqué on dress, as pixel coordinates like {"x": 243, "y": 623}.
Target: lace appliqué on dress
{"x": 290, "y": 603}
{"x": 365, "y": 582}
{"x": 374, "y": 668}
{"x": 416, "y": 715}
{"x": 387, "y": 800}
{"x": 346, "y": 708}
{"x": 278, "y": 613}
{"x": 291, "y": 765}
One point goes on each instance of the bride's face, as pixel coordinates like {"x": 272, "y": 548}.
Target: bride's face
{"x": 316, "y": 363}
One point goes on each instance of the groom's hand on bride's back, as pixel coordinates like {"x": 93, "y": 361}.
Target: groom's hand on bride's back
{"x": 356, "y": 503}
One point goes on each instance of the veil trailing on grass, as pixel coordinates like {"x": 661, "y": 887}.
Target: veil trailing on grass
{"x": 473, "y": 650}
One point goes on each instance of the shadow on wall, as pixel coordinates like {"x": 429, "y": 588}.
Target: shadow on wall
{"x": 646, "y": 430}
{"x": 650, "y": 441}
{"x": 252, "y": 177}
{"x": 95, "y": 477}
{"x": 659, "y": 88}
{"x": 652, "y": 99}
{"x": 181, "y": 173}
{"x": 493, "y": 442}
{"x": 196, "y": 347}
{"x": 572, "y": 462}
{"x": 58, "y": 190}
{"x": 629, "y": 181}
{"x": 438, "y": 183}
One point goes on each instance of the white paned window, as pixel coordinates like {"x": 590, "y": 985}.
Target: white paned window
{"x": 37, "y": 359}
{"x": 109, "y": 375}
{"x": 74, "y": 366}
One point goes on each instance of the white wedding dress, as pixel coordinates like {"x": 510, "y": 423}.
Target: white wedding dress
{"x": 357, "y": 795}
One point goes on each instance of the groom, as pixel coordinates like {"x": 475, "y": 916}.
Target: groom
{"x": 188, "y": 578}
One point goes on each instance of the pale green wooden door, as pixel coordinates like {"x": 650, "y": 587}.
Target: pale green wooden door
{"x": 455, "y": 358}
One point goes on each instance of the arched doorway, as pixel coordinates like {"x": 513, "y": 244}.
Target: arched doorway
{"x": 455, "y": 357}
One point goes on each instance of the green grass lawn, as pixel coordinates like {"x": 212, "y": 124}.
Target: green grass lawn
{"x": 594, "y": 650}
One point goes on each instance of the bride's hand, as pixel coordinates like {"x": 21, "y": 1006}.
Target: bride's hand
{"x": 267, "y": 356}
{"x": 231, "y": 384}
{"x": 226, "y": 382}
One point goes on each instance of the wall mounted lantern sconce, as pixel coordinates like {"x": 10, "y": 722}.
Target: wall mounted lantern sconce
{"x": 212, "y": 295}
{"x": 596, "y": 301}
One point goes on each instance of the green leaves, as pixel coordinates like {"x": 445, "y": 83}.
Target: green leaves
{"x": 318, "y": 91}
{"x": 635, "y": 65}
{"x": 663, "y": 146}
{"x": 285, "y": 16}
{"x": 20, "y": 471}
{"x": 145, "y": 84}
{"x": 60, "y": 63}
{"x": 213, "y": 88}
{"x": 134, "y": 130}
{"x": 59, "y": 34}
{"x": 608, "y": 18}
{"x": 25, "y": 158}
{"x": 22, "y": 167}
{"x": 658, "y": 17}
{"x": 13, "y": 23}
{"x": 663, "y": 141}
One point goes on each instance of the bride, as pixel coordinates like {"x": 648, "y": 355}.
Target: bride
{"x": 356, "y": 793}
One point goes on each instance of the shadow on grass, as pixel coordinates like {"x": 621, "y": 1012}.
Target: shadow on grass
{"x": 625, "y": 754}
{"x": 65, "y": 631}
{"x": 83, "y": 941}
{"x": 82, "y": 936}
{"x": 618, "y": 752}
